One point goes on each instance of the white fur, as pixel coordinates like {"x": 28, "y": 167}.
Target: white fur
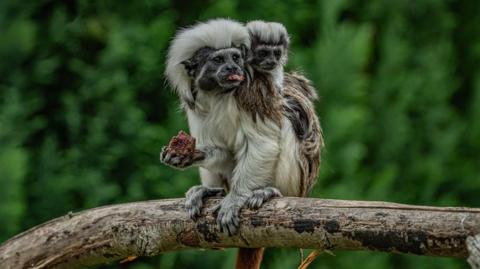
{"x": 218, "y": 33}
{"x": 287, "y": 173}
{"x": 214, "y": 127}
{"x": 268, "y": 31}
{"x": 249, "y": 155}
{"x": 277, "y": 76}
{"x": 241, "y": 150}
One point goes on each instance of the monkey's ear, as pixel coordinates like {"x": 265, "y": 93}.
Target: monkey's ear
{"x": 189, "y": 66}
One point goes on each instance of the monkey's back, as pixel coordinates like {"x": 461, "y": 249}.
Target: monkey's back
{"x": 298, "y": 94}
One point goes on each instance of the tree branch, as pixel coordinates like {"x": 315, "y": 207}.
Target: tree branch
{"x": 113, "y": 232}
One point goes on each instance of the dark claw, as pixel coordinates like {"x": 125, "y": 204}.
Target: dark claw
{"x": 227, "y": 218}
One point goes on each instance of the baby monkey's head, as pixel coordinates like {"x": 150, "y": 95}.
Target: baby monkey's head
{"x": 269, "y": 45}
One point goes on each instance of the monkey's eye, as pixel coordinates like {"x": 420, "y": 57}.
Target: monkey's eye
{"x": 235, "y": 57}
{"x": 277, "y": 53}
{"x": 218, "y": 59}
{"x": 262, "y": 53}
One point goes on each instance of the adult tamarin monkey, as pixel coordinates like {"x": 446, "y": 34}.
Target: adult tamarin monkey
{"x": 252, "y": 139}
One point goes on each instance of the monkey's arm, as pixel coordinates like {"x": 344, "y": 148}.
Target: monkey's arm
{"x": 216, "y": 159}
{"x": 212, "y": 158}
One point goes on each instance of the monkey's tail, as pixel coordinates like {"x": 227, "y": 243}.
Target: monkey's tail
{"x": 249, "y": 258}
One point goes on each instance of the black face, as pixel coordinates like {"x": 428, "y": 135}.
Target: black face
{"x": 266, "y": 57}
{"x": 216, "y": 69}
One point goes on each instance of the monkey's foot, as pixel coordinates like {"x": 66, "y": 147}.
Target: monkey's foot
{"x": 194, "y": 198}
{"x": 180, "y": 161}
{"x": 228, "y": 213}
{"x": 261, "y": 196}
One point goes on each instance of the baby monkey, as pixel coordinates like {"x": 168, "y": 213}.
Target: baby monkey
{"x": 269, "y": 49}
{"x": 267, "y": 56}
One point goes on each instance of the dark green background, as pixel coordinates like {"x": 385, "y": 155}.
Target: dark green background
{"x": 84, "y": 108}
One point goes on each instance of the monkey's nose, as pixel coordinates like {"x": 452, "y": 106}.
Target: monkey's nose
{"x": 231, "y": 68}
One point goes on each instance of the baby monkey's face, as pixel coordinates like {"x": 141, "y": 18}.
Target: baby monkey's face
{"x": 267, "y": 57}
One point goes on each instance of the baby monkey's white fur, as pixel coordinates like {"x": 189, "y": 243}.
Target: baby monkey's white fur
{"x": 273, "y": 35}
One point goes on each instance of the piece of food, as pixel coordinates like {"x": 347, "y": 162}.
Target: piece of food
{"x": 182, "y": 144}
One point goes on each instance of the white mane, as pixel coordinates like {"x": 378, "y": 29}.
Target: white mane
{"x": 268, "y": 31}
{"x": 217, "y": 34}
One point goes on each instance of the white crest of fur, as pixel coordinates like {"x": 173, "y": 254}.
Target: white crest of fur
{"x": 268, "y": 31}
{"x": 217, "y": 34}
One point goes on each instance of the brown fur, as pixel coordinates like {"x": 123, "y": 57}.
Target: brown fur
{"x": 260, "y": 98}
{"x": 301, "y": 84}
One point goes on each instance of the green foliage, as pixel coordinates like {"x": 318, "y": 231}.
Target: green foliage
{"x": 84, "y": 108}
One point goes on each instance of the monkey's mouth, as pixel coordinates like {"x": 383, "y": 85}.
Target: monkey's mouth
{"x": 231, "y": 80}
{"x": 235, "y": 77}
{"x": 268, "y": 67}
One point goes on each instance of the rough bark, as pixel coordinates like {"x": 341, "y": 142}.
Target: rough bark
{"x": 110, "y": 233}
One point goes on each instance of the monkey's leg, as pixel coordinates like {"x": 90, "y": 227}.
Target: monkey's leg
{"x": 261, "y": 196}
{"x": 254, "y": 169}
{"x": 254, "y": 201}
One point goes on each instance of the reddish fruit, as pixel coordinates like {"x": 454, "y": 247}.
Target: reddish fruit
{"x": 182, "y": 144}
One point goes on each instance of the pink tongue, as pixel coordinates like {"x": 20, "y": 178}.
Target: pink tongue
{"x": 236, "y": 77}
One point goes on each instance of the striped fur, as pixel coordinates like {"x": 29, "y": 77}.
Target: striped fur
{"x": 299, "y": 109}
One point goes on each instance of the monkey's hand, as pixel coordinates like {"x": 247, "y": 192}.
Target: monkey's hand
{"x": 261, "y": 196}
{"x": 195, "y": 196}
{"x": 180, "y": 160}
{"x": 228, "y": 213}
{"x": 181, "y": 151}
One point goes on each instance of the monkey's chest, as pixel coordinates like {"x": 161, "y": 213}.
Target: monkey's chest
{"x": 221, "y": 128}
